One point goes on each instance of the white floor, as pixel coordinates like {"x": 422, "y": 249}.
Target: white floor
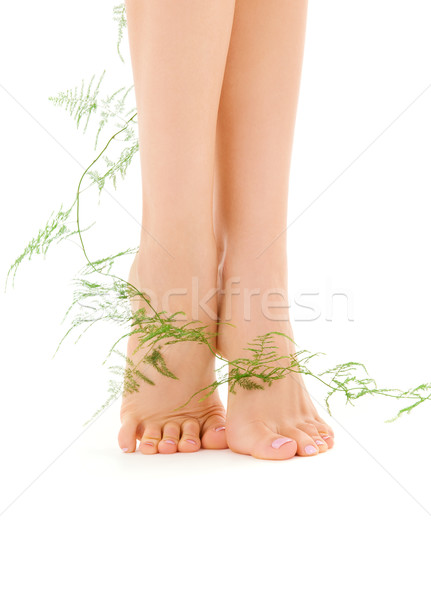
{"x": 82, "y": 520}
{"x": 91, "y": 522}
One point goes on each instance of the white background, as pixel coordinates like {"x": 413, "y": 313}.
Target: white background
{"x": 352, "y": 523}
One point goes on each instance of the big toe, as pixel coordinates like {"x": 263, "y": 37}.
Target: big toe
{"x": 127, "y": 436}
{"x": 260, "y": 441}
{"x": 214, "y": 433}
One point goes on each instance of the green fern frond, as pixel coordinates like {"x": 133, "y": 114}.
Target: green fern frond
{"x": 106, "y": 264}
{"x": 57, "y": 228}
{"x": 113, "y": 108}
{"x": 119, "y": 166}
{"x": 79, "y": 104}
{"x": 156, "y": 360}
{"x": 121, "y": 19}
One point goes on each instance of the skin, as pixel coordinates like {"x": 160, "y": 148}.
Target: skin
{"x": 215, "y": 159}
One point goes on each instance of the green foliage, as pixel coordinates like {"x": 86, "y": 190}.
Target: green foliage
{"x": 351, "y": 380}
{"x": 104, "y": 265}
{"x": 266, "y": 365}
{"x": 100, "y": 296}
{"x": 57, "y": 228}
{"x": 419, "y": 394}
{"x": 121, "y": 19}
{"x": 114, "y": 167}
{"x": 114, "y": 109}
{"x": 80, "y": 105}
{"x": 94, "y": 302}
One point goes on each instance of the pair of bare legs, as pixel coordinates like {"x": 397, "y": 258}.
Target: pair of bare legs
{"x": 217, "y": 85}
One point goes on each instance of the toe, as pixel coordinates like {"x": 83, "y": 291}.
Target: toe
{"x": 329, "y": 440}
{"x": 190, "y": 441}
{"x": 127, "y": 436}
{"x": 150, "y": 439}
{"x": 260, "y": 441}
{"x": 325, "y": 435}
{"x": 326, "y": 426}
{"x": 326, "y": 432}
{"x": 171, "y": 435}
{"x": 306, "y": 444}
{"x": 214, "y": 433}
{"x": 313, "y": 432}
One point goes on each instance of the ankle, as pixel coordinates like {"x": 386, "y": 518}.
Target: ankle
{"x": 254, "y": 299}
{"x": 177, "y": 285}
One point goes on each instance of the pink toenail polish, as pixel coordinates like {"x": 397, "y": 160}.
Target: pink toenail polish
{"x": 310, "y": 450}
{"x": 280, "y": 442}
{"x": 148, "y": 443}
{"x": 325, "y": 437}
{"x": 192, "y": 442}
{"x": 169, "y": 441}
{"x": 219, "y": 428}
{"x": 124, "y": 449}
{"x": 319, "y": 442}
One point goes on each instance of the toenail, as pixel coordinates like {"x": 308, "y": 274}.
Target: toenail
{"x": 319, "y": 442}
{"x": 148, "y": 443}
{"x": 310, "y": 450}
{"x": 169, "y": 441}
{"x": 220, "y": 428}
{"x": 280, "y": 442}
{"x": 325, "y": 437}
{"x": 191, "y": 442}
{"x": 124, "y": 449}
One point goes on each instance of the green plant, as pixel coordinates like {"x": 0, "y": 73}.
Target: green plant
{"x": 102, "y": 296}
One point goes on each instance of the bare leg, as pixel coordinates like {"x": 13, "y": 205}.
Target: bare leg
{"x": 178, "y": 51}
{"x": 254, "y": 143}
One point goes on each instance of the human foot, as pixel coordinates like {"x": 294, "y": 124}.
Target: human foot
{"x": 152, "y": 414}
{"x": 280, "y": 421}
{"x": 276, "y": 423}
